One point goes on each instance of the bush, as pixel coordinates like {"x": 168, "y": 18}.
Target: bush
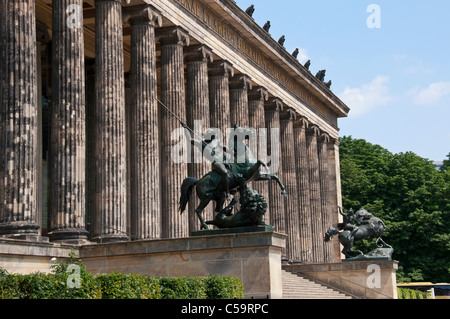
{"x": 404, "y": 293}
{"x": 74, "y": 282}
{"x": 183, "y": 288}
{"x": 219, "y": 287}
{"x": 9, "y": 285}
{"x": 128, "y": 286}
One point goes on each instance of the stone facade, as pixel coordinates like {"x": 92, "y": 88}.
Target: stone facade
{"x": 93, "y": 117}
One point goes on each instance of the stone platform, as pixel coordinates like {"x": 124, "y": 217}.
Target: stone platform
{"x": 236, "y": 230}
{"x": 24, "y": 256}
{"x": 372, "y": 279}
{"x": 253, "y": 257}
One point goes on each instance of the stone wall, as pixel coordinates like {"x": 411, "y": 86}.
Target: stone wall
{"x": 255, "y": 258}
{"x": 24, "y": 257}
{"x": 364, "y": 279}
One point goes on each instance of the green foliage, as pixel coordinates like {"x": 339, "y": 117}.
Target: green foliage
{"x": 114, "y": 286}
{"x": 413, "y": 199}
{"x": 219, "y": 287}
{"x": 9, "y": 285}
{"x": 446, "y": 164}
{"x": 128, "y": 286}
{"x": 183, "y": 288}
{"x": 404, "y": 293}
{"x": 75, "y": 282}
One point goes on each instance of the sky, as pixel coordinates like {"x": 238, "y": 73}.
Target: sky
{"x": 389, "y": 61}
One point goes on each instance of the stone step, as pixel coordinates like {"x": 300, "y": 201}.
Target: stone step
{"x": 297, "y": 287}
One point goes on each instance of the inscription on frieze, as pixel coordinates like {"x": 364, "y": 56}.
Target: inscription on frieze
{"x": 230, "y": 35}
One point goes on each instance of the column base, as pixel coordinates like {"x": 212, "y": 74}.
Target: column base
{"x": 104, "y": 239}
{"x": 27, "y": 237}
{"x": 70, "y": 236}
{"x": 21, "y": 228}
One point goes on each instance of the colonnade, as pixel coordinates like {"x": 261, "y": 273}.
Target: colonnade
{"x": 192, "y": 86}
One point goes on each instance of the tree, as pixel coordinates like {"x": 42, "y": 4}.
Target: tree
{"x": 413, "y": 199}
{"x": 446, "y": 164}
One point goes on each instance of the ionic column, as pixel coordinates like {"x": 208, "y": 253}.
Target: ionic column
{"x": 198, "y": 119}
{"x": 257, "y": 120}
{"x": 42, "y": 38}
{"x": 334, "y": 175}
{"x": 172, "y": 39}
{"x": 68, "y": 138}
{"x": 276, "y": 200}
{"x": 314, "y": 188}
{"x": 110, "y": 223}
{"x": 323, "y": 142}
{"x": 143, "y": 124}
{"x": 303, "y": 187}
{"x": 219, "y": 96}
{"x": 18, "y": 120}
{"x": 290, "y": 182}
{"x": 239, "y": 86}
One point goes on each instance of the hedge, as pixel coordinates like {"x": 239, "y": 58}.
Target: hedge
{"x": 62, "y": 284}
{"x": 404, "y": 293}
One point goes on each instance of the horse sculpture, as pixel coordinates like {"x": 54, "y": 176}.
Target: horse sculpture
{"x": 367, "y": 227}
{"x": 241, "y": 169}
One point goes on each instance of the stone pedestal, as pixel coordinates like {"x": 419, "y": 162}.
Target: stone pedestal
{"x": 255, "y": 258}
{"x": 374, "y": 279}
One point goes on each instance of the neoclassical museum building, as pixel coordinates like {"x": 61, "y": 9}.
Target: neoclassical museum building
{"x": 92, "y": 91}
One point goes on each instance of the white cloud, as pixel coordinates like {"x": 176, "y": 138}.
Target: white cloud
{"x": 368, "y": 97}
{"x": 303, "y": 55}
{"x": 432, "y": 95}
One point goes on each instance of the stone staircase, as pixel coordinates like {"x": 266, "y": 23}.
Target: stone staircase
{"x": 297, "y": 287}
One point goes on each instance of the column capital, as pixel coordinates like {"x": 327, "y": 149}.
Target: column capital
{"x": 199, "y": 53}
{"x": 324, "y": 138}
{"x": 314, "y": 130}
{"x": 221, "y": 68}
{"x": 275, "y": 104}
{"x": 288, "y": 114}
{"x": 241, "y": 81}
{"x": 301, "y": 122}
{"x": 173, "y": 35}
{"x": 143, "y": 14}
{"x": 258, "y": 93}
{"x": 336, "y": 142}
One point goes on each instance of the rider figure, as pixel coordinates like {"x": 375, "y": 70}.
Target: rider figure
{"x": 360, "y": 218}
{"x": 212, "y": 147}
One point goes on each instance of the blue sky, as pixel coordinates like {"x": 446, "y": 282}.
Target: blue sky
{"x": 395, "y": 79}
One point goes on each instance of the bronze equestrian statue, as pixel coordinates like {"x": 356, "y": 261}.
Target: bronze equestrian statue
{"x": 233, "y": 168}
